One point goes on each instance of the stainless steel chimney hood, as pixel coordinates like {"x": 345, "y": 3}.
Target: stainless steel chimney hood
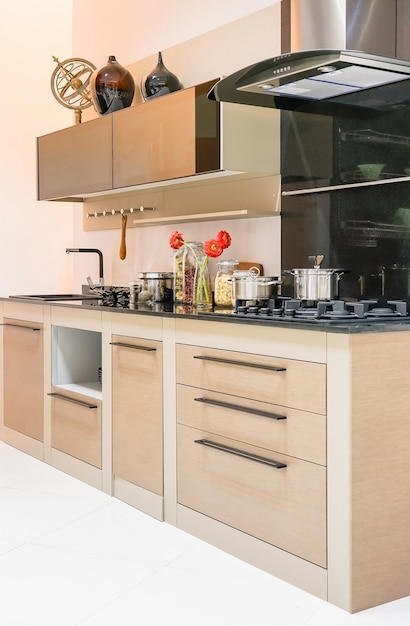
{"x": 327, "y": 82}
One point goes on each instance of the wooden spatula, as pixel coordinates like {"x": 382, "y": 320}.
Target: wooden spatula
{"x": 123, "y": 247}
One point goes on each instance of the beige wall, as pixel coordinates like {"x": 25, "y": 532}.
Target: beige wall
{"x": 34, "y": 235}
{"x": 199, "y": 42}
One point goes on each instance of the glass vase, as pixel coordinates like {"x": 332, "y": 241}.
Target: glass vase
{"x": 202, "y": 286}
{"x": 159, "y": 81}
{"x": 112, "y": 87}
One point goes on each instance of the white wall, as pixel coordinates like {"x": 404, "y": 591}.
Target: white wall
{"x": 32, "y": 234}
{"x": 228, "y": 36}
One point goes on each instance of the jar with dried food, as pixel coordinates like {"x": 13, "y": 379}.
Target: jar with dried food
{"x": 223, "y": 282}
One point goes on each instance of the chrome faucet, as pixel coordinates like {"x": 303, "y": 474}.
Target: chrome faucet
{"x": 101, "y": 265}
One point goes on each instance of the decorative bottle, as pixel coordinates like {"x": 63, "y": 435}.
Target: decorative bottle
{"x": 159, "y": 81}
{"x": 112, "y": 87}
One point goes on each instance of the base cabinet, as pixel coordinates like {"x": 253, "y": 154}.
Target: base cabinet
{"x": 137, "y": 428}
{"x": 256, "y": 466}
{"x": 23, "y": 377}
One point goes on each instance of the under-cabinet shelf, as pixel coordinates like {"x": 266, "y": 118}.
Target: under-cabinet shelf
{"x": 374, "y": 137}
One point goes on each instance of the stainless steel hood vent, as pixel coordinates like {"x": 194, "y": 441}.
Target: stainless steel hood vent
{"x": 332, "y": 82}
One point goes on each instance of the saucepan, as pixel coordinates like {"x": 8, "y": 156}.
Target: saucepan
{"x": 249, "y": 285}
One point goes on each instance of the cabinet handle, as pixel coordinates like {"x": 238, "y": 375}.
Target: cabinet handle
{"x": 20, "y": 326}
{"x": 131, "y": 345}
{"x": 73, "y": 400}
{"x": 273, "y": 368}
{"x": 243, "y": 409}
{"x": 245, "y": 455}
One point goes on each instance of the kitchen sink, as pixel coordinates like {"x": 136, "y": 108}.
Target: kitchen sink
{"x": 59, "y": 296}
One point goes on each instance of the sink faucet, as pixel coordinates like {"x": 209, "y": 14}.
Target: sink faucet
{"x": 101, "y": 266}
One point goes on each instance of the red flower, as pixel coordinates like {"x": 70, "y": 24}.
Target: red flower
{"x": 224, "y": 239}
{"x": 213, "y": 248}
{"x": 176, "y": 240}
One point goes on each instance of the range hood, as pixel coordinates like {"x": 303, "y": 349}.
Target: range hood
{"x": 337, "y": 57}
{"x": 328, "y": 82}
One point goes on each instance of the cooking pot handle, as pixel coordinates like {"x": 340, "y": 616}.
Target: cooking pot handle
{"x": 291, "y": 272}
{"x": 270, "y": 282}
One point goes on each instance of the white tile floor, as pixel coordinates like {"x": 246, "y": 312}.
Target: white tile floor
{"x": 71, "y": 555}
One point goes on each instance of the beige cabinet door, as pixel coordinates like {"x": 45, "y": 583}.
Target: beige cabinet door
{"x": 75, "y": 160}
{"x": 23, "y": 377}
{"x": 137, "y": 412}
{"x": 173, "y": 136}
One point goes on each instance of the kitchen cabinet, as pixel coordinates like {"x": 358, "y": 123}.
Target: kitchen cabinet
{"x": 252, "y": 445}
{"x": 285, "y": 446}
{"x": 23, "y": 377}
{"x": 137, "y": 430}
{"x": 75, "y": 160}
{"x": 173, "y": 139}
{"x": 74, "y": 406}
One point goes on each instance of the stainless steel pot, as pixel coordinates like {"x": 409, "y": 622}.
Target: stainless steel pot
{"x": 316, "y": 283}
{"x": 249, "y": 285}
{"x": 160, "y": 284}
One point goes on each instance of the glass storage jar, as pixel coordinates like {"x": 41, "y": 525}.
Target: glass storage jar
{"x": 186, "y": 261}
{"x": 223, "y": 282}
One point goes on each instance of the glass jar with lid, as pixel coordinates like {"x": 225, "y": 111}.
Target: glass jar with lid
{"x": 223, "y": 282}
{"x": 186, "y": 261}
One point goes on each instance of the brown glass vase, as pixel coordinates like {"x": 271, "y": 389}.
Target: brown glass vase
{"x": 112, "y": 87}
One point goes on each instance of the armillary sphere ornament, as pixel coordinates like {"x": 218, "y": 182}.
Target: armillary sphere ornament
{"x": 70, "y": 84}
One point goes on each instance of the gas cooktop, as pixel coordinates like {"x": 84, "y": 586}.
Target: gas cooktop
{"x": 290, "y": 310}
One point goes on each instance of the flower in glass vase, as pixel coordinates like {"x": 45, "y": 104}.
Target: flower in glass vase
{"x": 192, "y": 278}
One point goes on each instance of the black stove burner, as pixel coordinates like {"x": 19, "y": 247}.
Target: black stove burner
{"x": 330, "y": 311}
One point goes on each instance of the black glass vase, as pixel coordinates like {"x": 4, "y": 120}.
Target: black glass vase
{"x": 159, "y": 81}
{"x": 112, "y": 87}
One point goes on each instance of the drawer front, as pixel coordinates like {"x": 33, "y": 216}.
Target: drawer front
{"x": 296, "y": 384}
{"x": 285, "y": 506}
{"x": 288, "y": 431}
{"x": 76, "y": 427}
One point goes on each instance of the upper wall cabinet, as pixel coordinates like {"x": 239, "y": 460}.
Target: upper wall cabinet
{"x": 167, "y": 140}
{"x": 76, "y": 159}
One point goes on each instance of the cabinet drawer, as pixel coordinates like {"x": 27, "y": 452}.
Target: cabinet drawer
{"x": 287, "y": 382}
{"x": 285, "y": 507}
{"x": 288, "y": 431}
{"x": 76, "y": 426}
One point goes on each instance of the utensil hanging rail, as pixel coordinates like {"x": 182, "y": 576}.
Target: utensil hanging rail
{"x": 141, "y": 209}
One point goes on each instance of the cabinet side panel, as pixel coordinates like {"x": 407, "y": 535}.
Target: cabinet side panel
{"x": 380, "y": 435}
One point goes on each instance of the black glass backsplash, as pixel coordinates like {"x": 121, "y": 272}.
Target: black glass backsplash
{"x": 362, "y": 223}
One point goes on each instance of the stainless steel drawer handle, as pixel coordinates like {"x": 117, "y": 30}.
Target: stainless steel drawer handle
{"x": 131, "y": 345}
{"x": 245, "y": 455}
{"x": 243, "y": 409}
{"x": 262, "y": 366}
{"x": 20, "y": 326}
{"x": 86, "y": 405}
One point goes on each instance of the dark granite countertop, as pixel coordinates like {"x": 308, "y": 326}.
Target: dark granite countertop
{"x": 168, "y": 309}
